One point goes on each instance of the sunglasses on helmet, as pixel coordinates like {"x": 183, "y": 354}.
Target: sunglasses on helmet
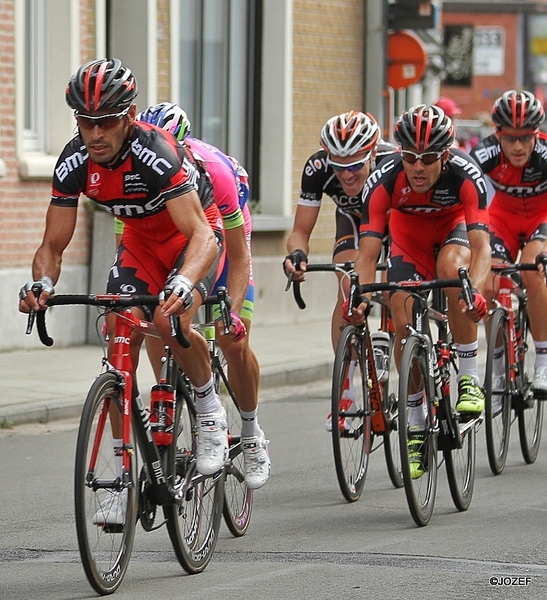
{"x": 351, "y": 167}
{"x": 104, "y": 121}
{"x": 428, "y": 158}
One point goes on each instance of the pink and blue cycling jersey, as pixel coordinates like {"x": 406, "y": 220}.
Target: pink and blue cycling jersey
{"x": 231, "y": 191}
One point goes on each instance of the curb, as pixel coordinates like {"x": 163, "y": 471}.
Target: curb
{"x": 270, "y": 377}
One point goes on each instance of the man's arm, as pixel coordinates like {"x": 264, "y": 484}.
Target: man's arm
{"x": 304, "y": 222}
{"x": 60, "y": 225}
{"x": 481, "y": 258}
{"x": 237, "y": 254}
{"x": 201, "y": 251}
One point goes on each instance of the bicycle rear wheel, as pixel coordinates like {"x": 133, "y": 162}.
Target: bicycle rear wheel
{"x": 498, "y": 401}
{"x": 351, "y": 428}
{"x": 194, "y": 523}
{"x": 420, "y": 492}
{"x": 105, "y": 548}
{"x": 238, "y": 498}
{"x": 530, "y": 412}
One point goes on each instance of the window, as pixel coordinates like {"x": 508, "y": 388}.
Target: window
{"x": 35, "y": 109}
{"x": 215, "y": 79}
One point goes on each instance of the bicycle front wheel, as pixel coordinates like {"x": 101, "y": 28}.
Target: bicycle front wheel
{"x": 392, "y": 450}
{"x": 420, "y": 484}
{"x": 350, "y": 414}
{"x": 460, "y": 467}
{"x": 530, "y": 411}
{"x": 238, "y": 498}
{"x": 497, "y": 392}
{"x": 105, "y": 508}
{"x": 192, "y": 524}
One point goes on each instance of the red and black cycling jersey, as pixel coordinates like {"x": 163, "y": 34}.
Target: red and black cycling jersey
{"x": 460, "y": 189}
{"x": 518, "y": 189}
{"x": 318, "y": 178}
{"x": 147, "y": 174}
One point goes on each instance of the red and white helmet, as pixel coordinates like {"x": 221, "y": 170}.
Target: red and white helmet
{"x": 350, "y": 133}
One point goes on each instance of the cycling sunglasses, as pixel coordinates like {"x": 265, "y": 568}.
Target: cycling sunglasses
{"x": 351, "y": 167}
{"x": 104, "y": 122}
{"x": 428, "y": 158}
{"x": 512, "y": 139}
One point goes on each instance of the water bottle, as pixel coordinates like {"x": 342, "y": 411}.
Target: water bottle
{"x": 381, "y": 344}
{"x": 162, "y": 402}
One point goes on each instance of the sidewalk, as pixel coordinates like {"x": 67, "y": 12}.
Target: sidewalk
{"x": 51, "y": 383}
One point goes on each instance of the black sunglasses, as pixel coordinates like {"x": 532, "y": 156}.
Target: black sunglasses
{"x": 104, "y": 122}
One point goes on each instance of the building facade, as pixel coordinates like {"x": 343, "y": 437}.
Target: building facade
{"x": 258, "y": 78}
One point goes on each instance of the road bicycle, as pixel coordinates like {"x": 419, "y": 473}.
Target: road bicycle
{"x": 238, "y": 498}
{"x": 107, "y": 471}
{"x": 362, "y": 363}
{"x": 432, "y": 366}
{"x": 509, "y": 371}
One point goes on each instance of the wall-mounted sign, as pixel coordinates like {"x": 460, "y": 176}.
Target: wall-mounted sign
{"x": 489, "y": 51}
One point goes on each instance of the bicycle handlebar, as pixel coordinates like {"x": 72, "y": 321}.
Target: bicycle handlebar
{"x": 420, "y": 286}
{"x": 321, "y": 267}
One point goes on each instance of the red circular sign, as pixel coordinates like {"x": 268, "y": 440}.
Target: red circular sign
{"x": 407, "y": 59}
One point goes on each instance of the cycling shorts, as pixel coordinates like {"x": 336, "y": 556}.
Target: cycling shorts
{"x": 415, "y": 243}
{"x": 347, "y": 232}
{"x": 248, "y": 304}
{"x": 142, "y": 266}
{"x": 509, "y": 233}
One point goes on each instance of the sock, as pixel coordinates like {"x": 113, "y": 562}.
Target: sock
{"x": 541, "y": 354}
{"x": 249, "y": 423}
{"x": 118, "y": 460}
{"x": 417, "y": 410}
{"x": 207, "y": 401}
{"x": 467, "y": 355}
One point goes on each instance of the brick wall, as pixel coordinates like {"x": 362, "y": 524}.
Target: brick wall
{"x": 23, "y": 204}
{"x": 328, "y": 47}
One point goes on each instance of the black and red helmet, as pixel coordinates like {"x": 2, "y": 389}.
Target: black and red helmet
{"x": 519, "y": 110}
{"x": 101, "y": 84}
{"x": 424, "y": 128}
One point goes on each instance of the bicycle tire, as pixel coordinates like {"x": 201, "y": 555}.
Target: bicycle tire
{"x": 238, "y": 498}
{"x": 420, "y": 493}
{"x": 193, "y": 524}
{"x": 392, "y": 449}
{"x": 461, "y": 462}
{"x": 530, "y": 413}
{"x": 460, "y": 469}
{"x": 498, "y": 402}
{"x": 105, "y": 550}
{"x": 351, "y": 447}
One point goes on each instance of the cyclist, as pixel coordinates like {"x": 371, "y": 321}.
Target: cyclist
{"x": 230, "y": 190}
{"x": 136, "y": 172}
{"x": 350, "y": 146}
{"x": 515, "y": 160}
{"x": 438, "y": 223}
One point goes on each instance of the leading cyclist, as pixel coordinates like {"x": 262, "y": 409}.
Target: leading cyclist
{"x": 172, "y": 243}
{"x": 438, "y": 223}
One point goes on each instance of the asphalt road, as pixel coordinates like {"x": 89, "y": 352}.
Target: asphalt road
{"x": 304, "y": 540}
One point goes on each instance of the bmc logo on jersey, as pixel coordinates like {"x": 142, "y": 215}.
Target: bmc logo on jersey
{"x": 150, "y": 158}
{"x": 71, "y": 162}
